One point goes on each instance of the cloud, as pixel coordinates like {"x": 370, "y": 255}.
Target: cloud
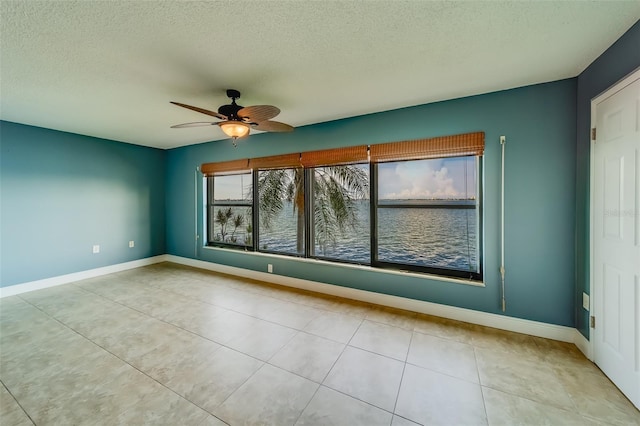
{"x": 421, "y": 180}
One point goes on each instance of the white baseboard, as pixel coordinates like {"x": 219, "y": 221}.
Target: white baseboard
{"x": 583, "y": 344}
{"x": 533, "y": 328}
{"x": 77, "y": 276}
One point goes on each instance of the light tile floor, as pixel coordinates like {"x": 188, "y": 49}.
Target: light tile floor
{"x": 167, "y": 344}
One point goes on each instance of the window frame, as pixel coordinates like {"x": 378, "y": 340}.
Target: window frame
{"x": 256, "y": 216}
{"x": 310, "y": 230}
{"x": 466, "y": 145}
{"x": 212, "y": 205}
{"x": 448, "y": 272}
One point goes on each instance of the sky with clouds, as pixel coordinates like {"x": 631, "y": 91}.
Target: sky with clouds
{"x": 442, "y": 178}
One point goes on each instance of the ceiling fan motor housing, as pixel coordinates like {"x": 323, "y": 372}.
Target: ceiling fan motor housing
{"x": 231, "y": 110}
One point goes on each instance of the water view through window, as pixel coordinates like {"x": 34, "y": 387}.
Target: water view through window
{"x": 429, "y": 237}
{"x": 439, "y": 237}
{"x": 426, "y": 213}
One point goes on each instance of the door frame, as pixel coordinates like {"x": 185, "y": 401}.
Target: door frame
{"x": 615, "y": 88}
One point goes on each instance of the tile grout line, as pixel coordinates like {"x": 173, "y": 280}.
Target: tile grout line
{"x": 307, "y": 405}
{"x": 330, "y": 369}
{"x": 384, "y": 356}
{"x": 574, "y": 408}
{"x": 361, "y": 400}
{"x": 404, "y": 367}
{"x": 527, "y": 398}
{"x": 17, "y": 402}
{"x": 578, "y": 413}
{"x": 482, "y": 393}
{"x": 241, "y": 385}
{"x": 322, "y": 384}
{"x": 342, "y": 352}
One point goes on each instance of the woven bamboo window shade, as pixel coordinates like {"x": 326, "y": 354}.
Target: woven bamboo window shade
{"x": 327, "y": 157}
{"x": 421, "y": 149}
{"x": 334, "y": 157}
{"x": 285, "y": 161}
{"x": 225, "y": 167}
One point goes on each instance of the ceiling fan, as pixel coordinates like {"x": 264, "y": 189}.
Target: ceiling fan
{"x": 239, "y": 120}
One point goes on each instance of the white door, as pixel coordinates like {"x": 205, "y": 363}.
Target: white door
{"x": 616, "y": 236}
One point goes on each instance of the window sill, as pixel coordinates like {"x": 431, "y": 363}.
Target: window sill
{"x": 352, "y": 266}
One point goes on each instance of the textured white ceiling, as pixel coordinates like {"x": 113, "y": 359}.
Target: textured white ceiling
{"x": 109, "y": 69}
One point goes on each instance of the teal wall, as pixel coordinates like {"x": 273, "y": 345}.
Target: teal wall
{"x": 539, "y": 123}
{"x": 61, "y": 193}
{"x": 622, "y": 58}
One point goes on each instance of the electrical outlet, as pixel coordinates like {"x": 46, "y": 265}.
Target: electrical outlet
{"x": 270, "y": 268}
{"x": 96, "y": 249}
{"x": 585, "y": 301}
{"x": 131, "y": 244}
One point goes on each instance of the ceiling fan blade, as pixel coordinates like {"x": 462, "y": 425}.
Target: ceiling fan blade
{"x": 258, "y": 113}
{"x": 202, "y": 110}
{"x": 272, "y": 126}
{"x": 195, "y": 124}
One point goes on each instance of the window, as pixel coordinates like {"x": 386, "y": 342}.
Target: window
{"x": 340, "y": 220}
{"x": 230, "y": 210}
{"x": 413, "y": 205}
{"x": 427, "y": 215}
{"x": 281, "y": 210}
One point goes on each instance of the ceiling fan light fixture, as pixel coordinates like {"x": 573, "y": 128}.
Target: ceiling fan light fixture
{"x": 237, "y": 121}
{"x": 234, "y": 129}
